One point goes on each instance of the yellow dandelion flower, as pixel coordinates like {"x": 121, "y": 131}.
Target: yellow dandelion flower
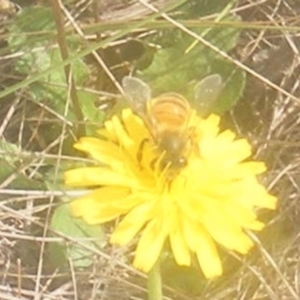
{"x": 210, "y": 200}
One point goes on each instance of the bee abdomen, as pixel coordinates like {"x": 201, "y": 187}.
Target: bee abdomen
{"x": 170, "y": 110}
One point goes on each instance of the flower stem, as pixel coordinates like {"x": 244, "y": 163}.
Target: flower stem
{"x": 154, "y": 284}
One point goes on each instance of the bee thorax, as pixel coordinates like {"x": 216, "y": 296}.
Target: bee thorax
{"x": 174, "y": 148}
{"x": 172, "y": 143}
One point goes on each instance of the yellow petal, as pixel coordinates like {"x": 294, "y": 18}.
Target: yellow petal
{"x": 224, "y": 151}
{"x": 149, "y": 247}
{"x": 96, "y": 206}
{"x": 208, "y": 128}
{"x": 134, "y": 126}
{"x": 227, "y": 233}
{"x": 202, "y": 244}
{"x": 132, "y": 223}
{"x": 209, "y": 260}
{"x": 180, "y": 249}
{"x": 122, "y": 136}
{"x": 102, "y": 151}
{"x": 250, "y": 193}
{"x": 95, "y": 176}
{"x": 247, "y": 169}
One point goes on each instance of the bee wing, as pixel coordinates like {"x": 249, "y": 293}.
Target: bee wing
{"x": 207, "y": 92}
{"x": 137, "y": 93}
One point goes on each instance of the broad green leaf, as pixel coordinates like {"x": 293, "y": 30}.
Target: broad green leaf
{"x": 10, "y": 166}
{"x": 234, "y": 84}
{"x": 173, "y": 70}
{"x": 63, "y": 222}
{"x": 8, "y": 151}
{"x": 17, "y": 180}
{"x": 94, "y": 115}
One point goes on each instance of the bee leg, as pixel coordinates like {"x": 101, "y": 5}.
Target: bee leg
{"x": 153, "y": 163}
{"x": 193, "y": 137}
{"x": 139, "y": 155}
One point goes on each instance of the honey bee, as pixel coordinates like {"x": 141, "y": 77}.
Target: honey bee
{"x": 167, "y": 116}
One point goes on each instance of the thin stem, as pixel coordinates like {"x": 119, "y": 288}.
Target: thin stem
{"x": 154, "y": 284}
{"x": 62, "y": 42}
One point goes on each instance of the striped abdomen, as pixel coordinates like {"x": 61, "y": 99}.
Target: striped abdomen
{"x": 169, "y": 112}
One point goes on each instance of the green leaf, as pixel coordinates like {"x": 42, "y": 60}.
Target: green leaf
{"x": 8, "y": 151}
{"x": 18, "y": 180}
{"x": 90, "y": 111}
{"x": 10, "y": 168}
{"x": 63, "y": 222}
{"x": 34, "y": 19}
{"x": 201, "y": 8}
{"x": 173, "y": 70}
{"x": 234, "y": 85}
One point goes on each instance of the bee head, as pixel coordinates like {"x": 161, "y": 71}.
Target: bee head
{"x": 175, "y": 163}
